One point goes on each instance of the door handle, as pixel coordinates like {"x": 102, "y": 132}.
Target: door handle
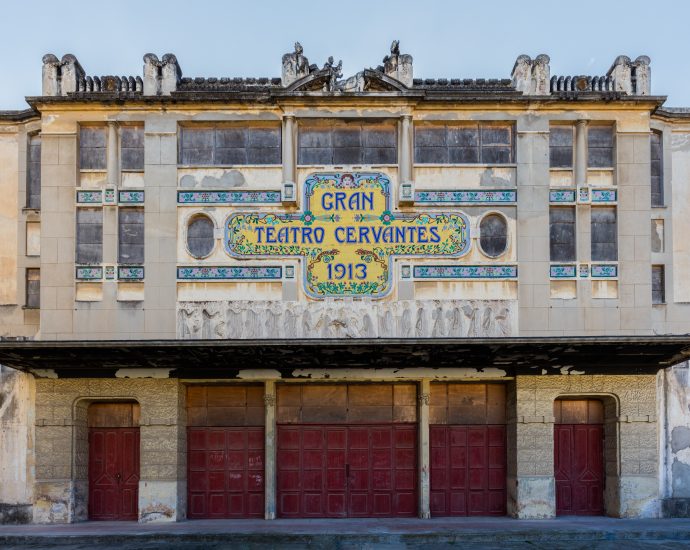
{"x": 118, "y": 476}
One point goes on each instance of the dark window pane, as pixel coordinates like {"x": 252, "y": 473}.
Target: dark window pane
{"x": 604, "y": 234}
{"x": 92, "y": 148}
{"x": 362, "y": 143}
{"x": 657, "y": 168}
{"x": 561, "y": 157}
{"x": 431, "y": 155}
{"x": 315, "y": 137}
{"x": 33, "y": 176}
{"x": 430, "y": 136}
{"x": 263, "y": 155}
{"x": 231, "y": 156}
{"x": 33, "y": 288}
{"x": 658, "y": 284}
{"x": 200, "y": 238}
{"x": 347, "y": 155}
{"x": 562, "y": 234}
{"x": 132, "y": 147}
{"x": 197, "y": 138}
{"x": 230, "y": 146}
{"x": 493, "y": 232}
{"x": 600, "y": 147}
{"x": 231, "y": 137}
{"x": 380, "y": 155}
{"x": 268, "y": 138}
{"x": 460, "y": 136}
{"x": 347, "y": 137}
{"x": 89, "y": 236}
{"x": 561, "y": 136}
{"x": 495, "y": 135}
{"x": 316, "y": 155}
{"x": 131, "y": 236}
{"x": 463, "y": 155}
{"x": 496, "y": 155}
{"x": 380, "y": 137}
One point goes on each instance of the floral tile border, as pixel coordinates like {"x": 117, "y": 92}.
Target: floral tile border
{"x": 466, "y": 196}
{"x": 228, "y": 197}
{"x": 197, "y": 273}
{"x": 464, "y": 272}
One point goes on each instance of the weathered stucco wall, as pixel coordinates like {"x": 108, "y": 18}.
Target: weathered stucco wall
{"x": 17, "y": 402}
{"x": 674, "y": 440}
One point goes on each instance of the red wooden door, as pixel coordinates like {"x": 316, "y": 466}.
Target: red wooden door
{"x": 579, "y": 469}
{"x": 347, "y": 471}
{"x": 225, "y": 472}
{"x": 468, "y": 470}
{"x": 113, "y": 473}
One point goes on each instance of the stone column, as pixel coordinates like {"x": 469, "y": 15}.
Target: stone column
{"x": 405, "y": 161}
{"x": 581, "y": 153}
{"x": 113, "y": 164}
{"x": 113, "y": 179}
{"x": 289, "y": 149}
{"x": 270, "y": 448}
{"x": 424, "y": 467}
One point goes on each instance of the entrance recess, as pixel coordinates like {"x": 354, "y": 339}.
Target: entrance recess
{"x": 579, "y": 457}
{"x": 113, "y": 461}
{"x": 347, "y": 450}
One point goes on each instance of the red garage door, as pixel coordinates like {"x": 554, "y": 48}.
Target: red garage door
{"x": 347, "y": 450}
{"x": 347, "y": 471}
{"x": 579, "y": 457}
{"x": 225, "y": 452}
{"x": 468, "y": 450}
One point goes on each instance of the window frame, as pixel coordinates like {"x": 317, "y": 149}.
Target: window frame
{"x": 190, "y": 219}
{"x": 572, "y": 209}
{"x": 507, "y": 233}
{"x": 27, "y": 293}
{"x": 660, "y": 135}
{"x": 661, "y": 269}
{"x": 248, "y": 127}
{"x": 610, "y": 127}
{"x": 571, "y": 127}
{"x": 76, "y": 237}
{"x": 104, "y": 130}
{"x": 122, "y": 148}
{"x": 481, "y": 127}
{"x": 30, "y": 171}
{"x": 615, "y": 233}
{"x": 120, "y": 211}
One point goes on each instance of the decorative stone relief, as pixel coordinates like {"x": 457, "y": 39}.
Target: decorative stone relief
{"x": 346, "y": 319}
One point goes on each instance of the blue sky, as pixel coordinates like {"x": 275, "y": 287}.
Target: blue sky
{"x": 453, "y": 39}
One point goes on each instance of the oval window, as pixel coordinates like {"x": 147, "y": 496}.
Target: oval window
{"x": 493, "y": 231}
{"x": 200, "y": 240}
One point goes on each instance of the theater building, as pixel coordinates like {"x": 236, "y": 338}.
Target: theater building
{"x": 315, "y": 296}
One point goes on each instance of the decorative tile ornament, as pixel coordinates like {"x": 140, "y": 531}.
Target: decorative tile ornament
{"x": 406, "y": 272}
{"x": 89, "y": 273}
{"x": 109, "y": 196}
{"x": 583, "y": 194}
{"x": 131, "y": 197}
{"x": 110, "y": 272}
{"x": 562, "y": 195}
{"x": 465, "y": 271}
{"x": 489, "y": 196}
{"x": 229, "y": 197}
{"x": 89, "y": 197}
{"x": 130, "y": 272}
{"x": 604, "y": 196}
{"x": 563, "y": 271}
{"x": 232, "y": 272}
{"x": 605, "y": 271}
{"x": 347, "y": 235}
{"x": 584, "y": 271}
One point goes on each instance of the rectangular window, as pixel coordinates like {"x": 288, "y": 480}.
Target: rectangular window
{"x": 33, "y": 173}
{"x": 348, "y": 143}
{"x": 89, "y": 236}
{"x": 561, "y": 147}
{"x": 130, "y": 236}
{"x": 658, "y": 285}
{"x": 600, "y": 147}
{"x": 33, "y": 288}
{"x": 604, "y": 234}
{"x": 484, "y": 143}
{"x": 92, "y": 148}
{"x": 230, "y": 145}
{"x": 562, "y": 233}
{"x": 657, "y": 167}
{"x": 132, "y": 148}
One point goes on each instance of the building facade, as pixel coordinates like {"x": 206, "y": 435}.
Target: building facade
{"x": 317, "y": 296}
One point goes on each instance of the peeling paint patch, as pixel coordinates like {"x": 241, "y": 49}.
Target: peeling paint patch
{"x": 142, "y": 373}
{"x": 388, "y": 374}
{"x": 44, "y": 373}
{"x": 258, "y": 374}
{"x": 570, "y": 370}
{"x": 214, "y": 179}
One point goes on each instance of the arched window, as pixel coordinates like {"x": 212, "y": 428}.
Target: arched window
{"x": 200, "y": 240}
{"x": 493, "y": 231}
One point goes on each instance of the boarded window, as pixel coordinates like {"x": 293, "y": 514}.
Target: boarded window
{"x": 604, "y": 234}
{"x": 225, "y": 405}
{"x": 493, "y": 231}
{"x": 33, "y": 173}
{"x": 360, "y": 143}
{"x": 657, "y": 167}
{"x": 89, "y": 236}
{"x": 578, "y": 411}
{"x": 33, "y": 288}
{"x": 658, "y": 285}
{"x": 562, "y": 233}
{"x": 227, "y": 146}
{"x": 113, "y": 415}
{"x": 132, "y": 147}
{"x": 600, "y": 147}
{"x": 457, "y": 403}
{"x": 131, "y": 236}
{"x": 467, "y": 144}
{"x": 200, "y": 239}
{"x": 561, "y": 147}
{"x": 92, "y": 148}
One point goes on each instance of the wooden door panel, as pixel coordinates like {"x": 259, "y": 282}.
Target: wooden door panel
{"x": 579, "y": 469}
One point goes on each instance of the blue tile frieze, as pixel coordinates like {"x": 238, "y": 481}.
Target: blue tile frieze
{"x": 228, "y": 197}
{"x": 130, "y": 273}
{"x": 489, "y": 196}
{"x": 562, "y": 195}
{"x": 568, "y": 271}
{"x": 230, "y": 273}
{"x": 604, "y": 195}
{"x": 605, "y": 271}
{"x": 465, "y": 272}
{"x": 89, "y": 273}
{"x": 131, "y": 197}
